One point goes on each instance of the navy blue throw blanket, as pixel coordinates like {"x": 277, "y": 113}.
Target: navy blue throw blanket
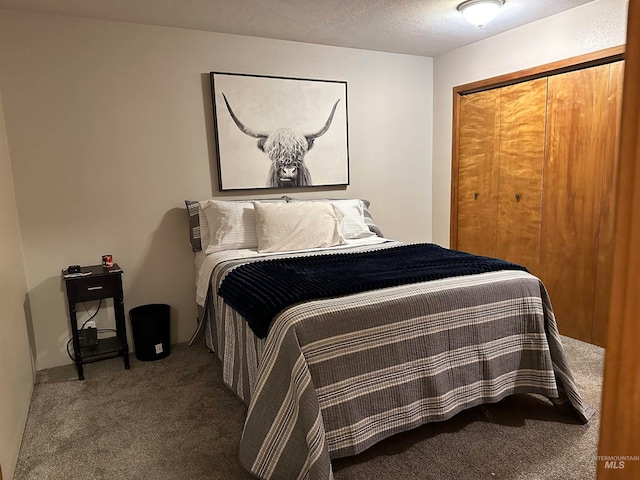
{"x": 260, "y": 290}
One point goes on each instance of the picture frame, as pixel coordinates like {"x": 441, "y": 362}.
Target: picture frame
{"x": 279, "y": 132}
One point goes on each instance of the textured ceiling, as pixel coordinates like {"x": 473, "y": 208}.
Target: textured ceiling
{"x": 419, "y": 27}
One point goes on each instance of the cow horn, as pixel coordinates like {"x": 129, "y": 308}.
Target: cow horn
{"x": 243, "y": 129}
{"x": 312, "y": 136}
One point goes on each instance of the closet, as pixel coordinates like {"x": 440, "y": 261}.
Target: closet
{"x": 533, "y": 183}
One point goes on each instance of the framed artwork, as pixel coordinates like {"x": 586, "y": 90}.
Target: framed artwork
{"x": 279, "y": 132}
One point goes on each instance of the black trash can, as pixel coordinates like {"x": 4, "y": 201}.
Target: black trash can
{"x": 151, "y": 328}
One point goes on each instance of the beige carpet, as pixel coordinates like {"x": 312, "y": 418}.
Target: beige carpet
{"x": 174, "y": 419}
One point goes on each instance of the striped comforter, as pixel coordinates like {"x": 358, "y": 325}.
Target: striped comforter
{"x": 335, "y": 376}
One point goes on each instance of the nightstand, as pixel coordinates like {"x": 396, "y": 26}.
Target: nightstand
{"x": 96, "y": 282}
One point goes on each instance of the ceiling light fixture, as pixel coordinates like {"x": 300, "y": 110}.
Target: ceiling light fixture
{"x": 480, "y": 12}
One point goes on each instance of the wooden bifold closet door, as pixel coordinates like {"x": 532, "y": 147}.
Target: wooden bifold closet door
{"x": 582, "y": 128}
{"x": 501, "y": 158}
{"x": 478, "y": 172}
{"x": 535, "y": 163}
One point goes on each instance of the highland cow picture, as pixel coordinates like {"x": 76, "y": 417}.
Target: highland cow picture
{"x": 279, "y": 132}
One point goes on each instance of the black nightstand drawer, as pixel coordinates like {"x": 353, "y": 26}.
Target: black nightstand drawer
{"x": 87, "y": 288}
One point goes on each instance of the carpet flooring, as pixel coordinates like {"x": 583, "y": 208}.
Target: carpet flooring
{"x": 174, "y": 419}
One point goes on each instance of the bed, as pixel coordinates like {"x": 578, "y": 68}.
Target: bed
{"x": 330, "y": 377}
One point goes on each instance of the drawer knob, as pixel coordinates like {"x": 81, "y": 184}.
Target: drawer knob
{"x": 94, "y": 288}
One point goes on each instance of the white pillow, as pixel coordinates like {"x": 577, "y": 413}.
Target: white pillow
{"x": 227, "y": 225}
{"x": 353, "y": 224}
{"x": 297, "y": 226}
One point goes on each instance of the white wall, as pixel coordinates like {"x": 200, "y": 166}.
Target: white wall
{"x": 16, "y": 372}
{"x": 590, "y": 27}
{"x": 110, "y": 128}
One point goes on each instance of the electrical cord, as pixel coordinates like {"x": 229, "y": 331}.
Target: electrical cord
{"x": 92, "y": 316}
{"x": 83, "y": 324}
{"x": 68, "y": 352}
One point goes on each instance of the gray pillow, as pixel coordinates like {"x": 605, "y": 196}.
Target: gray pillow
{"x": 368, "y": 219}
{"x": 194, "y": 225}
